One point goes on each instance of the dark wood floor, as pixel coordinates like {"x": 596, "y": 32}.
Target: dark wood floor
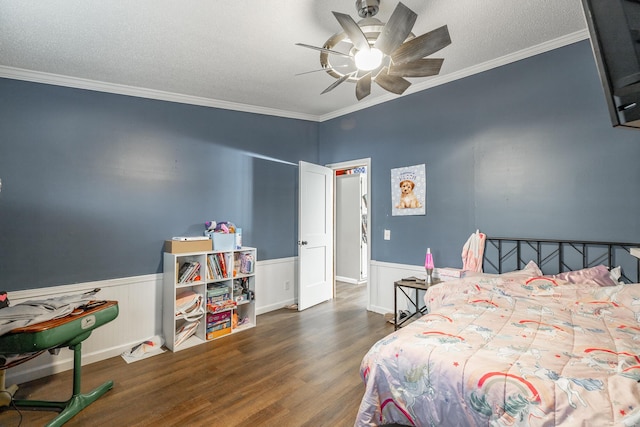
{"x": 293, "y": 369}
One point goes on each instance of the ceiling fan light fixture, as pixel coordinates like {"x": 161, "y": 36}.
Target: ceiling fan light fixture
{"x": 389, "y": 51}
{"x": 367, "y": 60}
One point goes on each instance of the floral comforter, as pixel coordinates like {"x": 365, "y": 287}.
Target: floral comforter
{"x": 500, "y": 351}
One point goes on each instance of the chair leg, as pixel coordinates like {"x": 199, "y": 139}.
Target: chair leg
{"x": 77, "y": 402}
{"x": 6, "y": 393}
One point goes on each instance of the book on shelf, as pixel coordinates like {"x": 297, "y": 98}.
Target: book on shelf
{"x": 223, "y": 265}
{"x": 212, "y": 266}
{"x": 217, "y": 266}
{"x": 209, "y": 269}
{"x": 182, "y": 270}
{"x": 184, "y": 331}
{"x": 195, "y": 273}
{"x": 189, "y": 271}
{"x": 185, "y": 270}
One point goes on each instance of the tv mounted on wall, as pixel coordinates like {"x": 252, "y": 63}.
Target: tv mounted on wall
{"x": 614, "y": 27}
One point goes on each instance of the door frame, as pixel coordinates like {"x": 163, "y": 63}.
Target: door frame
{"x": 346, "y": 165}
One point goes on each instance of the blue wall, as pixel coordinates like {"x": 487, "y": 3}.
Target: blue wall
{"x": 93, "y": 183}
{"x": 524, "y": 150}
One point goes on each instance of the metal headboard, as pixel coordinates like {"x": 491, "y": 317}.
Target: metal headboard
{"x": 504, "y": 254}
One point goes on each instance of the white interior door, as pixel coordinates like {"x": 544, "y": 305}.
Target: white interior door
{"x": 315, "y": 235}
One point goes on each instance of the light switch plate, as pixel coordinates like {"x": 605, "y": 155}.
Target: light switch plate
{"x": 387, "y": 234}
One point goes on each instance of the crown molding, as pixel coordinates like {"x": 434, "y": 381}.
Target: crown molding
{"x": 469, "y": 71}
{"x": 79, "y": 83}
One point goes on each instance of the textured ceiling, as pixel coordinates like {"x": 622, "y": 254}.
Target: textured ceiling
{"x": 241, "y": 54}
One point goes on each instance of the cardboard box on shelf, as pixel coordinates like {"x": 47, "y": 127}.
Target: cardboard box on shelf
{"x": 223, "y": 316}
{"x": 183, "y": 246}
{"x": 218, "y": 333}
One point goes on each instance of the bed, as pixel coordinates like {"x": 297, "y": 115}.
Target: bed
{"x": 556, "y": 341}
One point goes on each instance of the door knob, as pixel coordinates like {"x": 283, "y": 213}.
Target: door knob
{"x": 302, "y": 243}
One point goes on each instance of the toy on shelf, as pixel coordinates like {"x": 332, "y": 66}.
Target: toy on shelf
{"x": 219, "y": 227}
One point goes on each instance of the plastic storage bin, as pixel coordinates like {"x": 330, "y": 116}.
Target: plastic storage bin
{"x": 224, "y": 241}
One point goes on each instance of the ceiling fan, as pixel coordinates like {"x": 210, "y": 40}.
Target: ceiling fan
{"x": 370, "y": 50}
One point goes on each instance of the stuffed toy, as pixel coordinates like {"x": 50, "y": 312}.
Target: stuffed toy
{"x": 220, "y": 227}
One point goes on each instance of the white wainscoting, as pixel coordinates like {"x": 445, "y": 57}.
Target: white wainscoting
{"x": 381, "y": 279}
{"x": 272, "y": 277}
{"x": 140, "y": 313}
{"x": 140, "y": 304}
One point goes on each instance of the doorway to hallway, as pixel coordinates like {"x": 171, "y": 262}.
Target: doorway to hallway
{"x": 351, "y": 223}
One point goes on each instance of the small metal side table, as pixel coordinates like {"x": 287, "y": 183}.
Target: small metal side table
{"x": 405, "y": 285}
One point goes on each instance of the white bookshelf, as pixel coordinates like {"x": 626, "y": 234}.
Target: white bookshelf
{"x": 238, "y": 303}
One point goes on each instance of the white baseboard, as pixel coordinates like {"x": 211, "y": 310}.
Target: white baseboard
{"x": 351, "y": 280}
{"x": 380, "y": 310}
{"x": 275, "y": 306}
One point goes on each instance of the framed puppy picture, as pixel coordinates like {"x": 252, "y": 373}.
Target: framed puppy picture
{"x": 409, "y": 190}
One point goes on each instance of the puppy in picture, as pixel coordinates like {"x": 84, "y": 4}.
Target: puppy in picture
{"x": 407, "y": 198}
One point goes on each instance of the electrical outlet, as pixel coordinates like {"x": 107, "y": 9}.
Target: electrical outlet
{"x": 387, "y": 234}
{"x": 286, "y": 285}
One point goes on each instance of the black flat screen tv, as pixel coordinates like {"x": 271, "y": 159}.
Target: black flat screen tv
{"x": 614, "y": 29}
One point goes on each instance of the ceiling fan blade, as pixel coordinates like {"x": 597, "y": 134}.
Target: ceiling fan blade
{"x": 422, "y": 46}
{"x": 363, "y": 86}
{"x": 322, "y": 69}
{"x": 396, "y": 29}
{"x": 336, "y": 83}
{"x": 419, "y": 68}
{"x": 322, "y": 49}
{"x": 353, "y": 30}
{"x": 393, "y": 84}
